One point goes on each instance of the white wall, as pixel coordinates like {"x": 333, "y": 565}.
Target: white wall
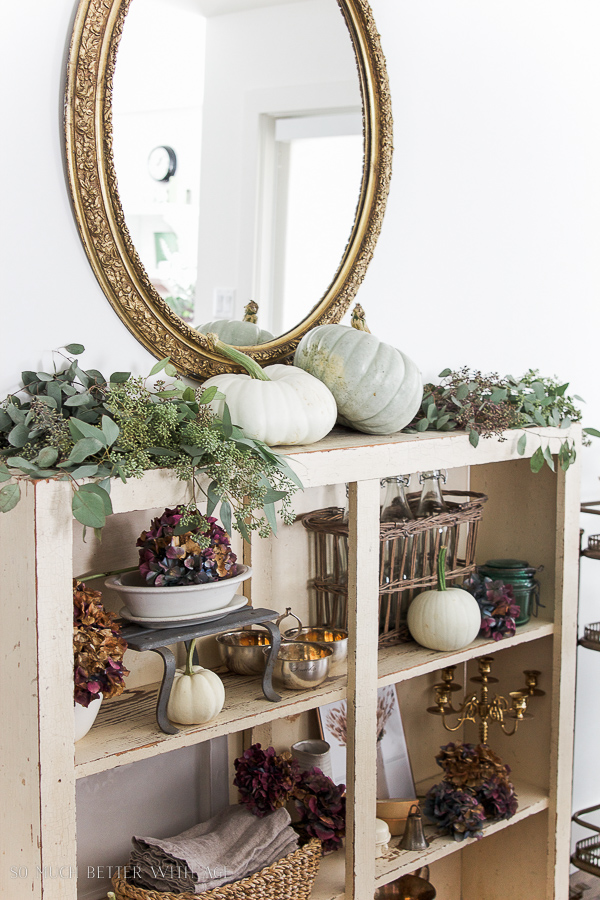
{"x": 490, "y": 251}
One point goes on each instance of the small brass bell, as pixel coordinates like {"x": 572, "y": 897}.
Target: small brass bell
{"x": 414, "y": 837}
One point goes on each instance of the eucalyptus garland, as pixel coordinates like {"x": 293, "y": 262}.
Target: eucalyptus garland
{"x": 75, "y": 424}
{"x": 487, "y": 405}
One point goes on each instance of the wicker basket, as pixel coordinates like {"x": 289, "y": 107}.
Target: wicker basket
{"x": 409, "y": 552}
{"x": 290, "y": 878}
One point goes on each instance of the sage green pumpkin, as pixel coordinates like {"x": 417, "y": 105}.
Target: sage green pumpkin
{"x": 377, "y": 388}
{"x": 239, "y": 333}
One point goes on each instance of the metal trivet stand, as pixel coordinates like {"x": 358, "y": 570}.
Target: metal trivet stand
{"x": 410, "y": 549}
{"x": 157, "y": 640}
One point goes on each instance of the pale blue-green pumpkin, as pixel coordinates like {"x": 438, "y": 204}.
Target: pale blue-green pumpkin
{"x": 377, "y": 388}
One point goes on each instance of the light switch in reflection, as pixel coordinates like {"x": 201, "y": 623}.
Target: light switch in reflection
{"x": 223, "y": 303}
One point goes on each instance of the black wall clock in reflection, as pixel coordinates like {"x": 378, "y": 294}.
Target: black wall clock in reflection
{"x": 162, "y": 163}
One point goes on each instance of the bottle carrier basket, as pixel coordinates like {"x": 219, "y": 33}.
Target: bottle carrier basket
{"x": 410, "y": 548}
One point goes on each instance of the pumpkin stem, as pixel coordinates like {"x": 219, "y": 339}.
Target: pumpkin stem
{"x": 189, "y": 670}
{"x": 250, "y": 312}
{"x": 242, "y": 359}
{"x": 358, "y": 320}
{"x": 441, "y": 569}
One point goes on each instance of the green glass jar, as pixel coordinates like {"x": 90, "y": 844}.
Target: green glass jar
{"x": 521, "y": 576}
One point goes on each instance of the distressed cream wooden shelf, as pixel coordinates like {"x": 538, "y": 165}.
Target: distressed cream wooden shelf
{"x": 126, "y": 730}
{"x": 396, "y": 862}
{"x": 529, "y": 516}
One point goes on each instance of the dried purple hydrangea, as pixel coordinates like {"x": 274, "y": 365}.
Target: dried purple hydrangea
{"x": 497, "y": 797}
{"x": 499, "y": 611}
{"x": 265, "y": 779}
{"x": 194, "y": 557}
{"x": 321, "y": 805}
{"x": 456, "y": 811}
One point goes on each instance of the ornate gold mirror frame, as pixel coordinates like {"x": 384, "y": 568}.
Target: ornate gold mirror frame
{"x": 114, "y": 259}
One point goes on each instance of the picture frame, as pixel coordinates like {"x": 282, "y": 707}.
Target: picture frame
{"x": 394, "y": 772}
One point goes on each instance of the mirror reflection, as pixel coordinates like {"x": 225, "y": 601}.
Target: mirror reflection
{"x": 239, "y": 154}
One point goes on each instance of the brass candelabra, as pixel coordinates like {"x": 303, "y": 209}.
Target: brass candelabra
{"x": 487, "y": 709}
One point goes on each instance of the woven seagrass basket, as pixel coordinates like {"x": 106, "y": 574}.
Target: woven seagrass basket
{"x": 409, "y": 550}
{"x": 290, "y": 878}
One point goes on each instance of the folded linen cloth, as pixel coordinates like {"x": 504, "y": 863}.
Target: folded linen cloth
{"x": 230, "y": 846}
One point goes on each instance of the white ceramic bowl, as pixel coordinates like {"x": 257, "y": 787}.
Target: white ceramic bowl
{"x": 148, "y": 601}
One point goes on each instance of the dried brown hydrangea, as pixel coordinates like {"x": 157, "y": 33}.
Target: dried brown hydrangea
{"x": 98, "y": 647}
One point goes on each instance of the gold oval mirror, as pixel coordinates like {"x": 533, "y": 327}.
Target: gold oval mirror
{"x": 130, "y": 241}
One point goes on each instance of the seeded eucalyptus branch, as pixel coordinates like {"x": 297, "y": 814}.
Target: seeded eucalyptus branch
{"x": 75, "y": 424}
{"x": 488, "y": 405}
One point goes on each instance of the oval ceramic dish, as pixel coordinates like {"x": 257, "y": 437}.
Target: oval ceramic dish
{"x": 150, "y": 602}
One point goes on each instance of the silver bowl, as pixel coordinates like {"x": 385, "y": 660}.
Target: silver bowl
{"x": 333, "y": 638}
{"x": 300, "y": 664}
{"x": 242, "y": 651}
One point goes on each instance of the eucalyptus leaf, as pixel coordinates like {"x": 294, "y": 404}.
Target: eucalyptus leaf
{"x": 19, "y": 435}
{"x": 9, "y": 497}
{"x": 110, "y": 429}
{"x": 212, "y": 498}
{"x": 28, "y": 378}
{"x": 499, "y": 395}
{"x": 593, "y": 432}
{"x": 271, "y": 517}
{"x": 119, "y": 377}
{"x": 432, "y": 413}
{"x": 6, "y": 423}
{"x": 522, "y": 444}
{"x": 159, "y": 366}
{"x": 88, "y": 508}
{"x": 462, "y": 392}
{"x": 83, "y": 399}
{"x": 88, "y": 471}
{"x": 170, "y": 370}
{"x": 227, "y": 426}
{"x": 81, "y": 375}
{"x": 75, "y": 349}
{"x": 422, "y": 425}
{"x": 84, "y": 448}
{"x": 548, "y": 456}
{"x": 100, "y": 492}
{"x": 80, "y": 429}
{"x": 16, "y": 413}
{"x": 189, "y": 394}
{"x": 25, "y": 465}
{"x": 95, "y": 376}
{"x": 4, "y": 473}
{"x": 225, "y": 515}
{"x": 47, "y": 456}
{"x": 473, "y": 437}
{"x": 537, "y": 460}
{"x": 444, "y": 373}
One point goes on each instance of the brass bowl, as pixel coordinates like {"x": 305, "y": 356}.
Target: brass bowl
{"x": 409, "y": 887}
{"x": 300, "y": 664}
{"x": 242, "y": 651}
{"x": 334, "y": 638}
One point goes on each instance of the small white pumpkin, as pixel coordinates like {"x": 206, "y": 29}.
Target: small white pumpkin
{"x": 197, "y": 694}
{"x": 240, "y": 333}
{"x": 446, "y": 618}
{"x": 377, "y": 388}
{"x": 277, "y": 405}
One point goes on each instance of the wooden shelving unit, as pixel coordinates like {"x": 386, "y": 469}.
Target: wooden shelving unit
{"x": 530, "y": 516}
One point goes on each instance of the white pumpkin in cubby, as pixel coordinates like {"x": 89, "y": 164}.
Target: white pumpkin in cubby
{"x": 444, "y": 618}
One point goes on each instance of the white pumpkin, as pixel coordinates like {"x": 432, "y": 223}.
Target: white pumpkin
{"x": 446, "y": 618}
{"x": 278, "y": 404}
{"x": 239, "y": 333}
{"x": 197, "y": 694}
{"x": 377, "y": 388}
